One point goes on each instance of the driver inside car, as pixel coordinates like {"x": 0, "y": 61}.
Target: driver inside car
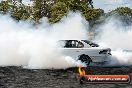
{"x": 80, "y": 45}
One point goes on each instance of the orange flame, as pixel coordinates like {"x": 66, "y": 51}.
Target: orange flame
{"x": 81, "y": 71}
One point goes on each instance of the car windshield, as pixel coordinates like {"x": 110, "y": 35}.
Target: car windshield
{"x": 91, "y": 43}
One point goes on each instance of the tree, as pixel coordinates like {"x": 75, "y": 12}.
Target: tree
{"x": 20, "y": 13}
{"x": 58, "y": 10}
{"x": 41, "y": 9}
{"x": 4, "y": 7}
{"x": 122, "y": 13}
{"x": 93, "y": 14}
{"x": 53, "y": 9}
{"x": 61, "y": 7}
{"x": 74, "y": 5}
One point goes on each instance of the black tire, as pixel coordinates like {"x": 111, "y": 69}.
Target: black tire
{"x": 85, "y": 59}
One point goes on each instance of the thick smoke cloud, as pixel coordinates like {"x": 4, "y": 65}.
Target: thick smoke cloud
{"x": 115, "y": 35}
{"x": 22, "y": 44}
{"x": 36, "y": 47}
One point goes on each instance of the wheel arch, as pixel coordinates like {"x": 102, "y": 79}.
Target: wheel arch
{"x": 85, "y": 56}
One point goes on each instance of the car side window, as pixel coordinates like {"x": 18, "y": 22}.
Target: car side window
{"x": 73, "y": 44}
{"x": 79, "y": 44}
{"x": 69, "y": 44}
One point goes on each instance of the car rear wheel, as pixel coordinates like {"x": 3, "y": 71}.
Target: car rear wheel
{"x": 85, "y": 59}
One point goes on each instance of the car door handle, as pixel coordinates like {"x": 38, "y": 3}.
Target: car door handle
{"x": 77, "y": 51}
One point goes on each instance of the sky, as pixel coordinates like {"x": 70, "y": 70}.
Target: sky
{"x": 109, "y": 5}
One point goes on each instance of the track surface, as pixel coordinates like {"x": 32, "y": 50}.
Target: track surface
{"x": 17, "y": 77}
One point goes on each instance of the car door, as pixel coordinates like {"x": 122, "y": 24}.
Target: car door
{"x": 73, "y": 48}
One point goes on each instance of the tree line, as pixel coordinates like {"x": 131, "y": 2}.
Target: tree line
{"x": 54, "y": 10}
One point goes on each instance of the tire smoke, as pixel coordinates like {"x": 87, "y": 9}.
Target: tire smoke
{"x": 35, "y": 47}
{"x": 121, "y": 58}
{"x": 117, "y": 37}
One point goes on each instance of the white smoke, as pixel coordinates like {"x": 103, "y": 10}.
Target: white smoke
{"x": 22, "y": 44}
{"x": 121, "y": 58}
{"x": 115, "y": 35}
{"x": 36, "y": 47}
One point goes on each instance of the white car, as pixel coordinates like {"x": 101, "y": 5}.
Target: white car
{"x": 84, "y": 50}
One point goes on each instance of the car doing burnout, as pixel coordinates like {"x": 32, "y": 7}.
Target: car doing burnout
{"x": 85, "y": 51}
